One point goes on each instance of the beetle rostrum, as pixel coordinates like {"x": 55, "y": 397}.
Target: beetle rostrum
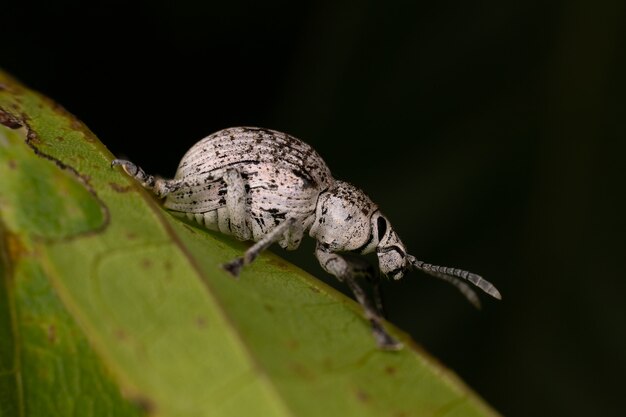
{"x": 266, "y": 186}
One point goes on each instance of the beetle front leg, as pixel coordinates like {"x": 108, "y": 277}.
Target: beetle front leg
{"x": 361, "y": 268}
{"x": 377, "y": 293}
{"x": 348, "y": 271}
{"x": 158, "y": 186}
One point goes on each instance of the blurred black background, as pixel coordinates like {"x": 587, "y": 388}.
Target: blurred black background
{"x": 491, "y": 133}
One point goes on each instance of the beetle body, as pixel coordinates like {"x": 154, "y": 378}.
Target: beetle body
{"x": 266, "y": 186}
{"x": 282, "y": 177}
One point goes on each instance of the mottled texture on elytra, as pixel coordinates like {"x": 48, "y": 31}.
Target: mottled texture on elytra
{"x": 282, "y": 176}
{"x": 267, "y": 186}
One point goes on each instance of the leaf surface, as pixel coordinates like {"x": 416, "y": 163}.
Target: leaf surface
{"x": 111, "y": 306}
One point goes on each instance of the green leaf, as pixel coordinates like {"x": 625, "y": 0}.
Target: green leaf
{"x": 109, "y": 306}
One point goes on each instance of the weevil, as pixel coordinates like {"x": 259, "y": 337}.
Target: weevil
{"x": 267, "y": 186}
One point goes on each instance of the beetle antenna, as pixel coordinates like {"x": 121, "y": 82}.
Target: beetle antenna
{"x": 465, "y": 289}
{"x": 441, "y": 271}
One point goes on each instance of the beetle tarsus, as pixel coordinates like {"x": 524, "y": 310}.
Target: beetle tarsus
{"x": 383, "y": 339}
{"x": 234, "y": 267}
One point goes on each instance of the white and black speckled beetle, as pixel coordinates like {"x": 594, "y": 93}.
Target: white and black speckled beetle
{"x": 266, "y": 186}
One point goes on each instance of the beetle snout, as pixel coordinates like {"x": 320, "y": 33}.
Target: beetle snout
{"x": 392, "y": 262}
{"x": 391, "y": 255}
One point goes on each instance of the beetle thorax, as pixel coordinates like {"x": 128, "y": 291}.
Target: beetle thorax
{"x": 342, "y": 218}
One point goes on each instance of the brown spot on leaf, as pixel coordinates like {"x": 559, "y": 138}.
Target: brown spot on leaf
{"x": 120, "y": 334}
{"x": 118, "y": 188}
{"x": 60, "y": 138}
{"x": 390, "y": 370}
{"x": 201, "y": 322}
{"x": 52, "y": 333}
{"x": 14, "y": 246}
{"x": 167, "y": 265}
{"x": 75, "y": 123}
{"x": 268, "y": 308}
{"x": 12, "y": 164}
{"x": 9, "y": 120}
{"x": 302, "y": 371}
{"x": 144, "y": 404}
{"x": 293, "y": 344}
{"x": 146, "y": 263}
{"x": 362, "y": 396}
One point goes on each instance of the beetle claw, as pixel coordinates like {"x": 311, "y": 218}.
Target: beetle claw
{"x": 234, "y": 267}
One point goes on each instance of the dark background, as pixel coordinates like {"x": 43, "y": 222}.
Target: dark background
{"x": 491, "y": 133}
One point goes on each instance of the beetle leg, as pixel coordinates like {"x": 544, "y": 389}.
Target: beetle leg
{"x": 361, "y": 268}
{"x": 374, "y": 278}
{"x": 347, "y": 271}
{"x": 158, "y": 186}
{"x": 234, "y": 266}
{"x": 236, "y": 204}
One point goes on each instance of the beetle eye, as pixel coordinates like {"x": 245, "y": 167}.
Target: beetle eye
{"x": 382, "y": 227}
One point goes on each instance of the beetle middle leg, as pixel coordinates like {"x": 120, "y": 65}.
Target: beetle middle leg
{"x": 348, "y": 271}
{"x": 234, "y": 266}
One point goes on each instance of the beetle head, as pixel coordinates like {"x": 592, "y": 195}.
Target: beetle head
{"x": 347, "y": 220}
